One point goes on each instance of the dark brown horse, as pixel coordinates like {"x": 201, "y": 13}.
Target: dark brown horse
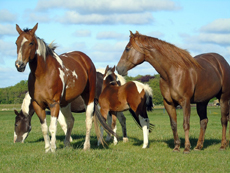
{"x": 54, "y": 82}
{"x": 184, "y": 80}
{"x": 23, "y": 118}
{"x": 133, "y": 96}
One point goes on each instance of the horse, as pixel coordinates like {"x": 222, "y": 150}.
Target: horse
{"x": 183, "y": 80}
{"x": 23, "y": 118}
{"x": 54, "y": 82}
{"x": 135, "y": 96}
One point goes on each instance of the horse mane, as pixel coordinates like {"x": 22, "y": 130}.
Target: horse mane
{"x": 43, "y": 48}
{"x": 175, "y": 55}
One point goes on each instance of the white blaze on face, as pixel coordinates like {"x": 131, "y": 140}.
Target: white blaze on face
{"x": 20, "y": 50}
{"x": 107, "y": 74}
{"x": 25, "y": 104}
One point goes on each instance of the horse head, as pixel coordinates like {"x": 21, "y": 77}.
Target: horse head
{"x": 132, "y": 55}
{"x": 109, "y": 76}
{"x": 26, "y": 47}
{"x": 22, "y": 126}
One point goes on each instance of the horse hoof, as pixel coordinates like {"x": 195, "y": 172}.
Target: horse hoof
{"x": 176, "y": 149}
{"x": 186, "y": 151}
{"x": 145, "y": 146}
{"x": 125, "y": 139}
{"x": 222, "y": 148}
{"x": 47, "y": 150}
{"x": 71, "y": 139}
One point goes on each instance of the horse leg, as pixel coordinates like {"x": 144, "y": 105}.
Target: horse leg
{"x": 202, "y": 112}
{"x": 173, "y": 121}
{"x": 42, "y": 117}
{"x": 88, "y": 122}
{"x": 186, "y": 124}
{"x": 122, "y": 120}
{"x": 68, "y": 124}
{"x": 109, "y": 121}
{"x": 224, "y": 106}
{"x": 54, "y": 109}
{"x": 144, "y": 121}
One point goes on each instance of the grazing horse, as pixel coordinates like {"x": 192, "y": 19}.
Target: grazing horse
{"x": 183, "y": 80}
{"x": 54, "y": 82}
{"x": 23, "y": 118}
{"x": 132, "y": 95}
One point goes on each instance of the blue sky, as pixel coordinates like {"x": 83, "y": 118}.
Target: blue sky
{"x": 101, "y": 28}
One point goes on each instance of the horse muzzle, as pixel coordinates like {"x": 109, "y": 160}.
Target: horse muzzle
{"x": 20, "y": 66}
{"x": 121, "y": 70}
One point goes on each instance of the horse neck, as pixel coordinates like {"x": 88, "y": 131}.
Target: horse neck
{"x": 161, "y": 64}
{"x": 38, "y": 65}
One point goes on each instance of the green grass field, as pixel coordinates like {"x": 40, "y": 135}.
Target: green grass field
{"x": 124, "y": 157}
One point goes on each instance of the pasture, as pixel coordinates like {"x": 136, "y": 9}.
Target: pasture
{"x": 124, "y": 157}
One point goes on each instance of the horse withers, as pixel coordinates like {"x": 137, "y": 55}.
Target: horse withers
{"x": 133, "y": 96}
{"x": 55, "y": 81}
{"x": 183, "y": 80}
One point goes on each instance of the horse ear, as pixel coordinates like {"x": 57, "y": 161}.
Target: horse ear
{"x": 107, "y": 68}
{"x": 137, "y": 33}
{"x": 113, "y": 69}
{"x": 32, "y": 32}
{"x": 131, "y": 34}
{"x": 18, "y": 29}
{"x": 16, "y": 112}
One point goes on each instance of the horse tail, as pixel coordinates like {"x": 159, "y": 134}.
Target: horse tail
{"x": 98, "y": 118}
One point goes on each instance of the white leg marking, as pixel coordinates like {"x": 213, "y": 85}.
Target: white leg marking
{"x": 53, "y": 131}
{"x": 145, "y": 124}
{"x": 88, "y": 121}
{"x": 62, "y": 122}
{"x": 115, "y": 139}
{"x": 44, "y": 128}
{"x": 25, "y": 104}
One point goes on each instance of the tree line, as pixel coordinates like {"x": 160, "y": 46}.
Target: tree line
{"x": 15, "y": 94}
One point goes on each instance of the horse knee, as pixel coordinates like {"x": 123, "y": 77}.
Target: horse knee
{"x": 204, "y": 123}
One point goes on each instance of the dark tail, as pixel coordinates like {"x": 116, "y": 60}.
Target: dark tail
{"x": 102, "y": 121}
{"x": 149, "y": 103}
{"x": 137, "y": 121}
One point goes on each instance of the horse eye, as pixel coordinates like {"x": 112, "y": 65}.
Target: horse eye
{"x": 16, "y": 125}
{"x": 127, "y": 49}
{"x": 31, "y": 43}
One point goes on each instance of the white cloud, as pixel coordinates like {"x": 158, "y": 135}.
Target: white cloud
{"x": 6, "y": 16}
{"x": 76, "y": 18}
{"x": 7, "y": 30}
{"x": 219, "y": 25}
{"x": 111, "y": 35}
{"x": 223, "y": 39}
{"x": 82, "y": 33}
{"x": 108, "y": 6}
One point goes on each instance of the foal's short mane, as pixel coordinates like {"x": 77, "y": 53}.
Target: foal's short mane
{"x": 43, "y": 48}
{"x": 175, "y": 55}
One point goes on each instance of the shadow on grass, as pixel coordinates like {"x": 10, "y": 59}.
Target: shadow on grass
{"x": 80, "y": 139}
{"x": 170, "y": 142}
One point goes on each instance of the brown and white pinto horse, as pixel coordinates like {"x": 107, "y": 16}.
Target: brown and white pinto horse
{"x": 54, "y": 82}
{"x": 184, "y": 80}
{"x": 23, "y": 118}
{"x": 133, "y": 96}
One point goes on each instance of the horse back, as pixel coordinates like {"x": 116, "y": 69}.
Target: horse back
{"x": 214, "y": 76}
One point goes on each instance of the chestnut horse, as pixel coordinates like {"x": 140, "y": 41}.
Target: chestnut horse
{"x": 183, "y": 80}
{"x": 54, "y": 82}
{"x": 23, "y": 118}
{"x": 135, "y": 96}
